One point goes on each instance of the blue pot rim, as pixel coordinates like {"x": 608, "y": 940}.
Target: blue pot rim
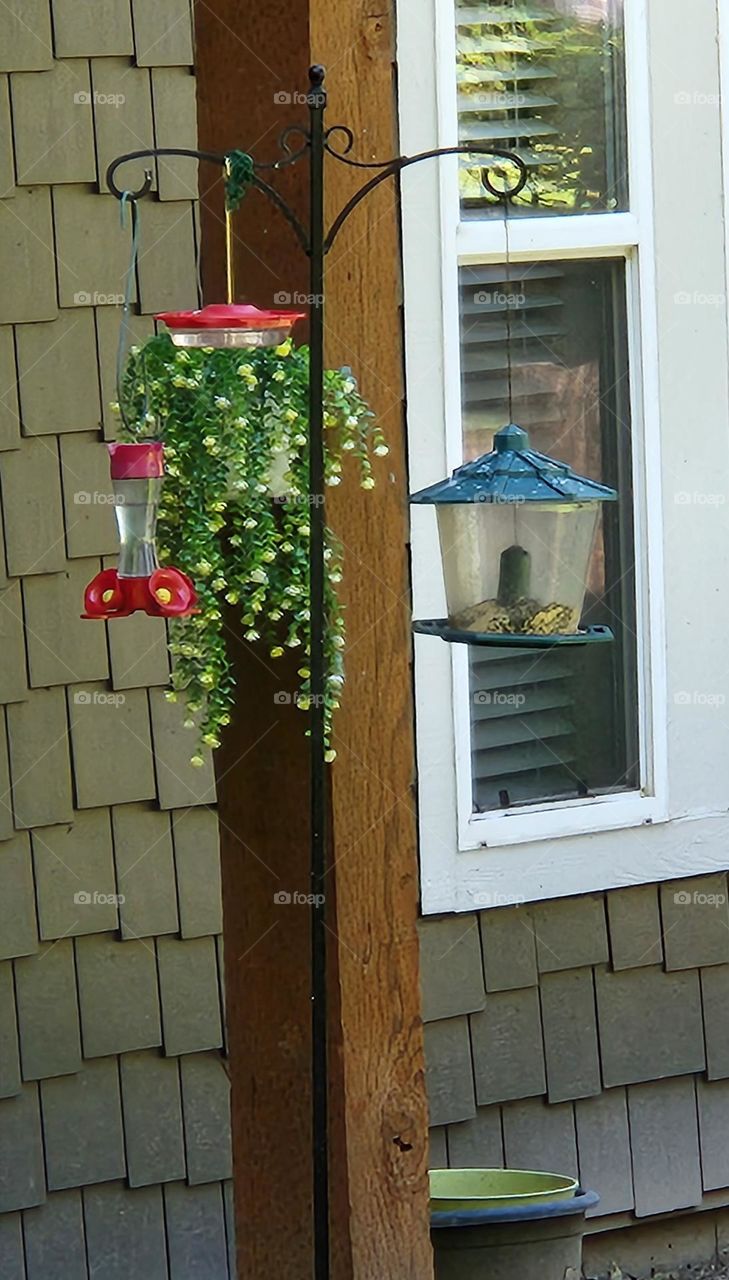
{"x": 579, "y": 1203}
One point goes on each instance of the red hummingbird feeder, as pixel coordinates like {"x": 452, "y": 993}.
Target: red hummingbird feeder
{"x": 230, "y": 325}
{"x": 138, "y": 584}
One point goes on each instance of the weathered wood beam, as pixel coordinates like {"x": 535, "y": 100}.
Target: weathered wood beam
{"x": 246, "y": 57}
{"x": 375, "y": 838}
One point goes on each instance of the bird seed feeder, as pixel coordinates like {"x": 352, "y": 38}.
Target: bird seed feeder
{"x": 517, "y": 530}
{"x": 229, "y": 325}
{"x": 139, "y": 583}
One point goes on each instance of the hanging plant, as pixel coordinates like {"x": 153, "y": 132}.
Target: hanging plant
{"x": 235, "y": 505}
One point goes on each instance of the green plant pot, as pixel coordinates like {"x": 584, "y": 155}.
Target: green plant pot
{"x": 507, "y": 1224}
{"x": 454, "y": 1189}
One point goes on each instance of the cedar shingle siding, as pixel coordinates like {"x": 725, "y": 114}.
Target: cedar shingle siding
{"x": 114, "y": 1115}
{"x": 589, "y": 1036}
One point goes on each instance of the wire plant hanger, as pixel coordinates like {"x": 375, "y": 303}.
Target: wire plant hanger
{"x": 311, "y": 145}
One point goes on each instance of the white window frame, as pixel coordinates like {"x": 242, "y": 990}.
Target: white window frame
{"x": 472, "y": 860}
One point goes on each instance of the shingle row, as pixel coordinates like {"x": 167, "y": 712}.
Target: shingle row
{"x": 133, "y": 868}
{"x": 99, "y": 747}
{"x": 37, "y": 31}
{"x": 111, "y": 1231}
{"x": 682, "y": 924}
{"x": 141, "y": 1116}
{"x": 97, "y": 996}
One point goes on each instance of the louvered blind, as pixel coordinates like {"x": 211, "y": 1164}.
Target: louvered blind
{"x": 522, "y": 726}
{"x": 522, "y": 716}
{"x": 545, "y": 80}
{"x": 512, "y": 319}
{"x": 505, "y": 95}
{"x": 548, "y": 724}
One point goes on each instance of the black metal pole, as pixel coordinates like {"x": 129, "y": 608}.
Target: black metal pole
{"x": 319, "y": 789}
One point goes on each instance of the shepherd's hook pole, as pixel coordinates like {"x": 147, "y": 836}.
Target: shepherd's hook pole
{"x": 318, "y": 767}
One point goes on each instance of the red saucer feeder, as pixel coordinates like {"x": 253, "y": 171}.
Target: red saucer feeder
{"x": 139, "y": 583}
{"x": 230, "y": 325}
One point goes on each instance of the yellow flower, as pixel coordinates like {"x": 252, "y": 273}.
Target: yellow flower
{"x": 197, "y": 762}
{"x": 330, "y": 756}
{"x": 284, "y": 349}
{"x": 277, "y": 651}
{"x": 207, "y": 679}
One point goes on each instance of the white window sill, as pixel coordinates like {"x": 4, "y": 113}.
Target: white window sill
{"x": 646, "y": 853}
{"x": 552, "y": 821}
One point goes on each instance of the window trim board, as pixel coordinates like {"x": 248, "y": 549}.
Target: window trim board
{"x": 458, "y": 848}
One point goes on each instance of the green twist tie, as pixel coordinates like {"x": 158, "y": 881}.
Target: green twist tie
{"x": 238, "y": 178}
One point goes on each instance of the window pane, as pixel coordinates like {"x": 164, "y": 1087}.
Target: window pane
{"x": 545, "y": 78}
{"x": 556, "y": 723}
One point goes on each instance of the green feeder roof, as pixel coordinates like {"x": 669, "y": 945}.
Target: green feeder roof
{"x": 513, "y": 472}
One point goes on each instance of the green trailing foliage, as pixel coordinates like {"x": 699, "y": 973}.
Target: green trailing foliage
{"x": 235, "y": 509}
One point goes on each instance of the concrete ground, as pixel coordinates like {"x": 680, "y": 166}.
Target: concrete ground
{"x": 709, "y": 1271}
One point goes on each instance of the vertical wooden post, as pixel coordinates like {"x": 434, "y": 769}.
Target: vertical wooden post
{"x": 378, "y": 1111}
{"x": 374, "y": 821}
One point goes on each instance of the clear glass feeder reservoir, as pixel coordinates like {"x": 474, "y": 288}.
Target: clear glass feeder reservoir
{"x": 517, "y": 530}
{"x": 135, "y": 506}
{"x": 138, "y": 583}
